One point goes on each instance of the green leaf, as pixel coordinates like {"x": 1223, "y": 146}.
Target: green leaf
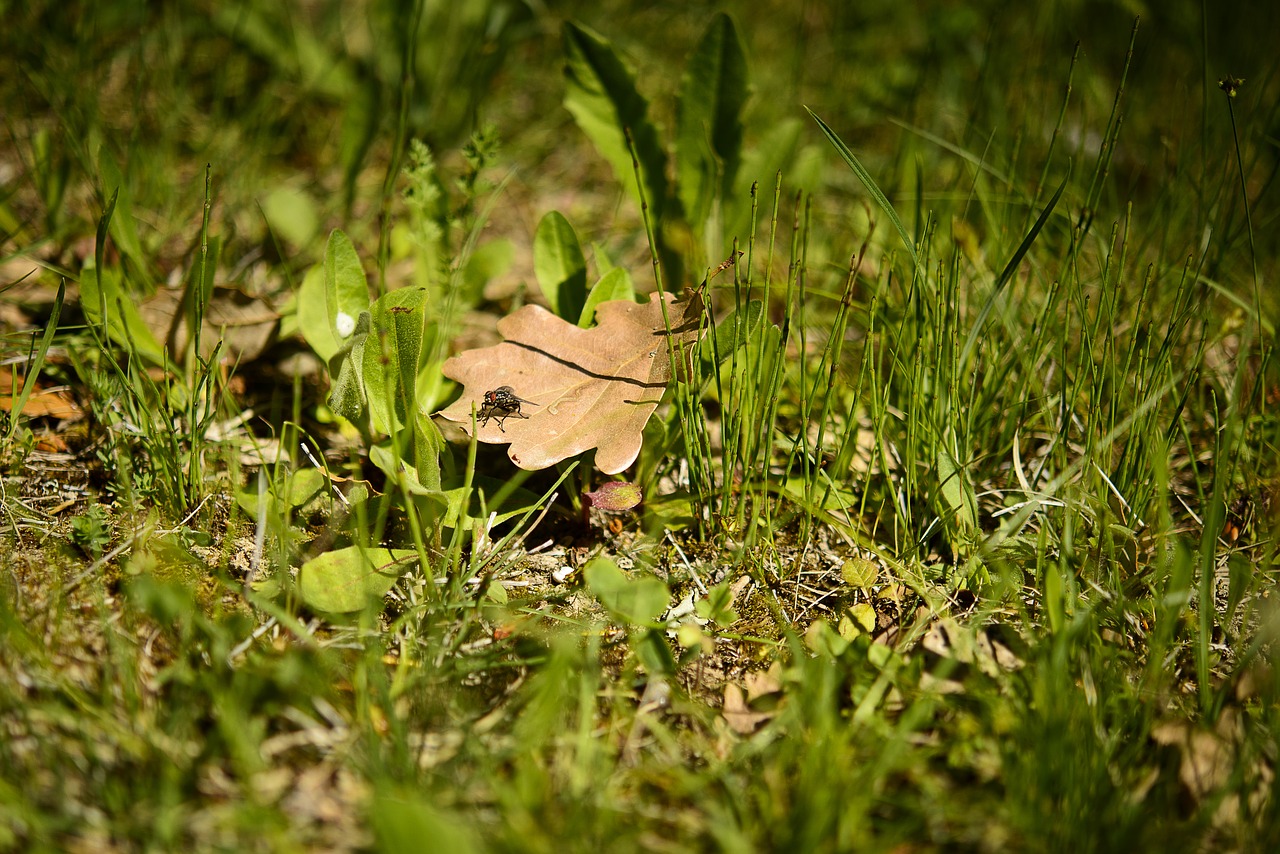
{"x": 403, "y": 820}
{"x": 654, "y": 653}
{"x": 394, "y": 351}
{"x": 957, "y": 493}
{"x": 349, "y": 579}
{"x": 488, "y": 262}
{"x": 718, "y": 606}
{"x": 709, "y": 120}
{"x": 124, "y": 324}
{"x": 420, "y": 463}
{"x": 124, "y": 228}
{"x": 859, "y": 572}
{"x": 291, "y": 213}
{"x": 329, "y": 308}
{"x": 637, "y": 602}
{"x": 867, "y": 181}
{"x": 299, "y": 489}
{"x": 601, "y": 94}
{"x": 613, "y": 285}
{"x": 560, "y": 268}
{"x": 428, "y": 444}
{"x": 347, "y": 397}
{"x": 772, "y": 152}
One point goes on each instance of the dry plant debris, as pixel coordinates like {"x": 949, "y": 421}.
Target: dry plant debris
{"x": 592, "y": 388}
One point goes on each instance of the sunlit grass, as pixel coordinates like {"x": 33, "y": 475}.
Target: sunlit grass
{"x": 991, "y": 476}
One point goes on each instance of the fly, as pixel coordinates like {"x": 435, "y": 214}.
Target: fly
{"x": 501, "y": 403}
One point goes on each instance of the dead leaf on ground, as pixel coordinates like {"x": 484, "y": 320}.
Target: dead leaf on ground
{"x": 584, "y": 388}
{"x": 52, "y": 402}
{"x": 242, "y": 323}
{"x": 1208, "y": 761}
{"x": 748, "y": 706}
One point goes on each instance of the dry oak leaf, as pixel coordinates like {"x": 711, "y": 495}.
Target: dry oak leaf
{"x": 580, "y": 388}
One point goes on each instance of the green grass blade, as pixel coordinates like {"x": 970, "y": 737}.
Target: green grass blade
{"x": 37, "y": 362}
{"x": 865, "y": 177}
{"x": 1006, "y": 275}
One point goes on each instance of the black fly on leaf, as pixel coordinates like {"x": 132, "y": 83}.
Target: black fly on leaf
{"x": 501, "y": 403}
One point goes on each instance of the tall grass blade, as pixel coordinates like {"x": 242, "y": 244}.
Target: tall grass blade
{"x": 1006, "y": 275}
{"x": 37, "y": 362}
{"x": 867, "y": 181}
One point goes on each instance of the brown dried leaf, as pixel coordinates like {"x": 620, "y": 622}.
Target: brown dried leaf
{"x": 583, "y": 388}
{"x": 52, "y": 402}
{"x": 243, "y": 323}
{"x": 748, "y": 706}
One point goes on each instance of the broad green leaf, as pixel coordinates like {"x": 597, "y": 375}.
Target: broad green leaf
{"x": 654, "y": 653}
{"x": 761, "y": 163}
{"x": 404, "y": 820}
{"x": 638, "y": 601}
{"x": 346, "y": 580}
{"x": 328, "y": 308}
{"x": 393, "y": 354}
{"x": 718, "y": 606}
{"x": 420, "y": 463}
{"x": 613, "y": 285}
{"x": 824, "y": 640}
{"x": 124, "y": 323}
{"x": 861, "y": 619}
{"x": 559, "y": 266}
{"x": 604, "y": 261}
{"x": 124, "y": 229}
{"x": 392, "y": 466}
{"x": 427, "y": 447}
{"x": 859, "y": 572}
{"x": 488, "y": 262}
{"x": 291, "y": 213}
{"x": 709, "y": 120}
{"x": 956, "y": 492}
{"x": 347, "y": 396}
{"x": 601, "y": 94}
{"x": 299, "y": 489}
{"x": 454, "y": 510}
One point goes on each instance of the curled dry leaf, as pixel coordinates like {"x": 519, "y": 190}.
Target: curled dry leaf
{"x": 584, "y": 388}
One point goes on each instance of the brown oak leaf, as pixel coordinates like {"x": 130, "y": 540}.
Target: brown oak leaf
{"x": 578, "y": 389}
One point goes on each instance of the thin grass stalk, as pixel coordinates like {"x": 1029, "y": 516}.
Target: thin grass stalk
{"x": 757, "y": 426}
{"x": 790, "y": 319}
{"x": 1053, "y": 139}
{"x": 408, "y": 74}
{"x": 742, "y": 395}
{"x": 848, "y": 441}
{"x": 1248, "y": 214}
{"x": 1112, "y": 133}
